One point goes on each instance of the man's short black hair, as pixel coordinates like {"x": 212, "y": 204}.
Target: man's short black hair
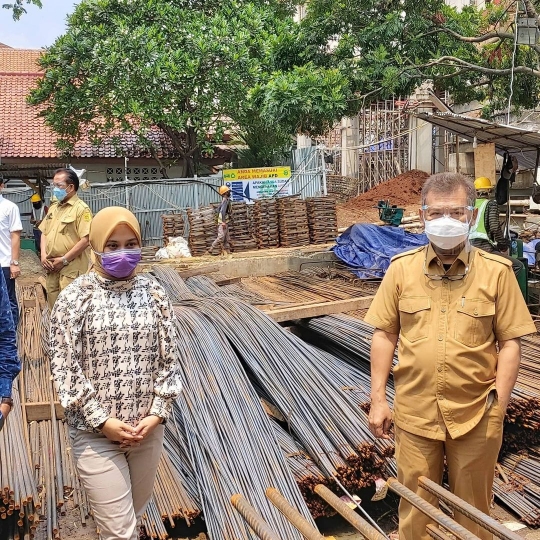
{"x": 70, "y": 176}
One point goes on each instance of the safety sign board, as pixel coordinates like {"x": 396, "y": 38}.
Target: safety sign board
{"x": 258, "y": 183}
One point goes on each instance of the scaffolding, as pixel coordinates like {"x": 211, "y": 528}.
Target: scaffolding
{"x": 383, "y": 143}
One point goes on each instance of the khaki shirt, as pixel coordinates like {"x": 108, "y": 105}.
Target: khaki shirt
{"x": 447, "y": 355}
{"x": 64, "y": 225}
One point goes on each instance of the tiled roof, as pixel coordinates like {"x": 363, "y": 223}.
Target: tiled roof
{"x": 19, "y": 60}
{"x": 24, "y": 135}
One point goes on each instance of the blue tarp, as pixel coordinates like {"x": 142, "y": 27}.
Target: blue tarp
{"x": 368, "y": 248}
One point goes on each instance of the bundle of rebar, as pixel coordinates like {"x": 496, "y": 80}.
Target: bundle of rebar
{"x": 242, "y": 236}
{"x": 202, "y": 229}
{"x": 293, "y": 222}
{"x": 230, "y": 438}
{"x": 173, "y": 226}
{"x": 266, "y": 223}
{"x": 322, "y": 219}
{"x": 205, "y": 287}
{"x": 296, "y": 379}
{"x": 20, "y": 502}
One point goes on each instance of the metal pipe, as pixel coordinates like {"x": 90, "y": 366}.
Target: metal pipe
{"x": 252, "y": 518}
{"x": 467, "y": 509}
{"x": 434, "y": 513}
{"x": 437, "y": 533}
{"x": 301, "y": 524}
{"x": 351, "y": 516}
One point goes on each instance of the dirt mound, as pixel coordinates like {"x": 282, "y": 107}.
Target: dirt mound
{"x": 403, "y": 190}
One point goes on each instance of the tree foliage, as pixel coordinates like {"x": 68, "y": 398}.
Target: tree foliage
{"x": 185, "y": 66}
{"x": 390, "y": 47}
{"x": 18, "y": 7}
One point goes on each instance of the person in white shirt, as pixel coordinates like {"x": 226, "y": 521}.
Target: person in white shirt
{"x": 10, "y": 244}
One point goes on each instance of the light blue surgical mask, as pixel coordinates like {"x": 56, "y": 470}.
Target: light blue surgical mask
{"x": 59, "y": 194}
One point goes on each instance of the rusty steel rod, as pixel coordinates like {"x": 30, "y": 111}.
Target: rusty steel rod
{"x": 297, "y": 520}
{"x": 468, "y": 510}
{"x": 434, "y": 513}
{"x": 437, "y": 533}
{"x": 351, "y": 516}
{"x": 252, "y": 518}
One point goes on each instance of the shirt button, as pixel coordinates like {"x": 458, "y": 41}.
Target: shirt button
{"x": 476, "y": 312}
{"x": 443, "y": 310}
{"x": 439, "y": 368}
{"x": 440, "y": 337}
{"x": 439, "y": 397}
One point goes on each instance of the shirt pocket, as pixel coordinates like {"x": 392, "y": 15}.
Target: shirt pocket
{"x": 474, "y": 322}
{"x": 414, "y": 317}
{"x": 66, "y": 224}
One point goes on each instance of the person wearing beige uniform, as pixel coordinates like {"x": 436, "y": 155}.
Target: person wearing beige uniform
{"x": 458, "y": 313}
{"x": 64, "y": 242}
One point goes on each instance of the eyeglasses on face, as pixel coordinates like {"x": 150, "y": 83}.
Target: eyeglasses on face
{"x": 455, "y": 212}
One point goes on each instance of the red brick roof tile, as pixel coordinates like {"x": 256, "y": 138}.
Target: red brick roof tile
{"x": 24, "y": 135}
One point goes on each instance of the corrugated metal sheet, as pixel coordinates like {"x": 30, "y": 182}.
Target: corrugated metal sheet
{"x": 307, "y": 176}
{"x": 147, "y": 201}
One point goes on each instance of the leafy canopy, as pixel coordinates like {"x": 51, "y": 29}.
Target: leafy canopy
{"x": 18, "y": 7}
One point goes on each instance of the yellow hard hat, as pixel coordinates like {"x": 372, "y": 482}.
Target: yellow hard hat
{"x": 224, "y": 189}
{"x": 35, "y": 198}
{"x": 482, "y": 183}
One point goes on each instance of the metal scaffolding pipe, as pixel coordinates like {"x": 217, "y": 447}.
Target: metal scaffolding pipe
{"x": 301, "y": 524}
{"x": 252, "y": 518}
{"x": 434, "y": 513}
{"x": 467, "y": 510}
{"x": 351, "y": 516}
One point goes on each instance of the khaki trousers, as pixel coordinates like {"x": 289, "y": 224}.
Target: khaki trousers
{"x": 471, "y": 461}
{"x": 56, "y": 282}
{"x": 118, "y": 482}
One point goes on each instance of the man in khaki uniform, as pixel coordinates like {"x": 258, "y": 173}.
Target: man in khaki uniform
{"x": 64, "y": 242}
{"x": 450, "y": 305}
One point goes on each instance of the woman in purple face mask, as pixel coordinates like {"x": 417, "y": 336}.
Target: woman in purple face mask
{"x": 115, "y": 366}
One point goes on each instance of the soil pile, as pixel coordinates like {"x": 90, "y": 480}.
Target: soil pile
{"x": 403, "y": 190}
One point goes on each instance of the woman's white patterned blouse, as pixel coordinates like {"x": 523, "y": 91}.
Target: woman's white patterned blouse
{"x": 113, "y": 351}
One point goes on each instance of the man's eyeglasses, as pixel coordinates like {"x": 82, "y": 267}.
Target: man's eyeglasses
{"x": 455, "y": 212}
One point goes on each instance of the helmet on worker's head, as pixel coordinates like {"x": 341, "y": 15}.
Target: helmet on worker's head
{"x": 482, "y": 184}
{"x": 223, "y": 190}
{"x": 35, "y": 198}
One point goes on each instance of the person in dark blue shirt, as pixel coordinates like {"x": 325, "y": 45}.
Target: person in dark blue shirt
{"x": 9, "y": 360}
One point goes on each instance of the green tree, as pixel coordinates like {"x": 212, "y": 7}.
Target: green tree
{"x": 389, "y": 47}
{"x": 185, "y": 66}
{"x": 18, "y": 7}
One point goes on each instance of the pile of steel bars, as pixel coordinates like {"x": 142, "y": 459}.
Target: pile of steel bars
{"x": 322, "y": 219}
{"x": 265, "y": 223}
{"x": 229, "y": 435}
{"x": 242, "y": 237}
{"x": 205, "y": 287}
{"x": 202, "y": 228}
{"x": 295, "y": 378}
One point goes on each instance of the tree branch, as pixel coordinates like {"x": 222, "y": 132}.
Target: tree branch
{"x": 481, "y": 69}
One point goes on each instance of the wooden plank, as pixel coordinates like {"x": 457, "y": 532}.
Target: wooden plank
{"x": 228, "y": 281}
{"x": 317, "y": 310}
{"x": 42, "y": 411}
{"x": 484, "y": 161}
{"x": 184, "y": 274}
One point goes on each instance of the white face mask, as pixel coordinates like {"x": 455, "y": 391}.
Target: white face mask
{"x": 446, "y": 232}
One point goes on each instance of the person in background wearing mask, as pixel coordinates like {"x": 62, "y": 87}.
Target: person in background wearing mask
{"x": 64, "y": 239}
{"x": 223, "y": 239}
{"x": 486, "y": 232}
{"x": 458, "y": 314}
{"x": 10, "y": 246}
{"x": 115, "y": 366}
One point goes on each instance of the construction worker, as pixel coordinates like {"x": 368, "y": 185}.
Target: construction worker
{"x": 223, "y": 218}
{"x": 38, "y": 212}
{"x": 10, "y": 246}
{"x": 486, "y": 232}
{"x": 9, "y": 360}
{"x": 458, "y": 314}
{"x": 64, "y": 240}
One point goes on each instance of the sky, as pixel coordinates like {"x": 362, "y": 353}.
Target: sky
{"x": 38, "y": 28}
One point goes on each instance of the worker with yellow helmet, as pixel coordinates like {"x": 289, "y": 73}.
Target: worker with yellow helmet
{"x": 38, "y": 213}
{"x": 486, "y": 233}
{"x": 223, "y": 218}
